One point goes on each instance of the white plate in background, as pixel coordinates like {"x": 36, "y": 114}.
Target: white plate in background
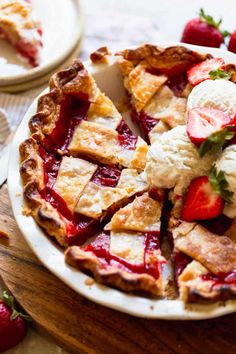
{"x": 62, "y": 25}
{"x": 53, "y": 258}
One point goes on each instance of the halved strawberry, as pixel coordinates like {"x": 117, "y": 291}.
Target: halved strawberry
{"x": 201, "y": 201}
{"x": 204, "y": 121}
{"x": 200, "y": 72}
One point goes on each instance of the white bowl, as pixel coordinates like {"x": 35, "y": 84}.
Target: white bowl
{"x": 53, "y": 258}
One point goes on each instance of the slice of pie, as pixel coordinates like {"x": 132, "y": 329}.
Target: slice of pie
{"x": 18, "y": 26}
{"x": 127, "y": 254}
{"x": 205, "y": 264}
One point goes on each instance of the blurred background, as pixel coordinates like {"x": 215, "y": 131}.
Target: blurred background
{"x": 117, "y": 23}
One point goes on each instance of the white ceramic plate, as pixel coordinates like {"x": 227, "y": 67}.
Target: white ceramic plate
{"x": 53, "y": 258}
{"x": 62, "y": 29}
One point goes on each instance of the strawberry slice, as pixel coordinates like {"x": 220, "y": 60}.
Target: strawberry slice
{"x": 200, "y": 72}
{"x": 201, "y": 201}
{"x": 203, "y": 121}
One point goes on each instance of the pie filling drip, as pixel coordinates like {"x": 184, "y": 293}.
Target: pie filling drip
{"x": 107, "y": 176}
{"x": 101, "y": 249}
{"x": 73, "y": 109}
{"x": 145, "y": 123}
{"x": 127, "y": 139}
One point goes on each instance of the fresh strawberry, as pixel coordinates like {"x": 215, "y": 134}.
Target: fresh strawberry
{"x": 201, "y": 201}
{"x": 12, "y": 323}
{"x": 203, "y": 121}
{"x": 232, "y": 42}
{"x": 204, "y": 31}
{"x": 201, "y": 71}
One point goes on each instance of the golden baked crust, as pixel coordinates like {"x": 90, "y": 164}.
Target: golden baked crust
{"x": 100, "y": 56}
{"x": 192, "y": 287}
{"x": 31, "y": 170}
{"x": 142, "y": 85}
{"x": 73, "y": 80}
{"x": 213, "y": 259}
{"x": 160, "y": 58}
{"x": 143, "y": 214}
{"x": 216, "y": 253}
{"x": 97, "y": 200}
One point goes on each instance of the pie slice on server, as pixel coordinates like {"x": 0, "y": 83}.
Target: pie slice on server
{"x": 18, "y": 26}
{"x": 156, "y": 81}
{"x": 127, "y": 254}
{"x": 205, "y": 264}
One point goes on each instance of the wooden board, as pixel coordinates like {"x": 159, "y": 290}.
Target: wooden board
{"x": 81, "y": 326}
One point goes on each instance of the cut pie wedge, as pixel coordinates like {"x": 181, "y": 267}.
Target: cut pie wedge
{"x": 128, "y": 256}
{"x": 18, "y": 26}
{"x": 205, "y": 264}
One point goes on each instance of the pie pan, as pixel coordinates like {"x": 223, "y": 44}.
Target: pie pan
{"x": 53, "y": 258}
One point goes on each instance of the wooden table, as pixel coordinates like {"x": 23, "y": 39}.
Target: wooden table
{"x": 81, "y": 326}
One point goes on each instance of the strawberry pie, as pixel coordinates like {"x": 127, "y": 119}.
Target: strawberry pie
{"x": 20, "y": 29}
{"x": 111, "y": 198}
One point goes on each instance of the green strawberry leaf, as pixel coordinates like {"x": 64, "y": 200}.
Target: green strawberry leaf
{"x": 10, "y": 302}
{"x": 216, "y": 141}
{"x": 219, "y": 74}
{"x": 211, "y": 22}
{"x": 225, "y": 33}
{"x": 220, "y": 184}
{"x": 209, "y": 19}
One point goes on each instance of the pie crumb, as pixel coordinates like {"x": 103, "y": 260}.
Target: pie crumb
{"x": 18, "y": 194}
{"x": 89, "y": 281}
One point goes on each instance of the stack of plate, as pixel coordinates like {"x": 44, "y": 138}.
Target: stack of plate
{"x": 62, "y": 24}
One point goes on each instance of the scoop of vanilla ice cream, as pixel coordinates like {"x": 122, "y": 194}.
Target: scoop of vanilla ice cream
{"x": 227, "y": 163}
{"x": 218, "y": 94}
{"x": 173, "y": 161}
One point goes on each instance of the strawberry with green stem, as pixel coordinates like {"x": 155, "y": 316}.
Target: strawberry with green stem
{"x": 13, "y": 325}
{"x": 204, "y": 31}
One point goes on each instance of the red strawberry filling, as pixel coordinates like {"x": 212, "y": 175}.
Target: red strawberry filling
{"x": 106, "y": 176}
{"x": 72, "y": 110}
{"x": 144, "y": 122}
{"x": 79, "y": 227}
{"x": 201, "y": 71}
{"x": 101, "y": 248}
{"x": 127, "y": 138}
{"x": 29, "y": 51}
